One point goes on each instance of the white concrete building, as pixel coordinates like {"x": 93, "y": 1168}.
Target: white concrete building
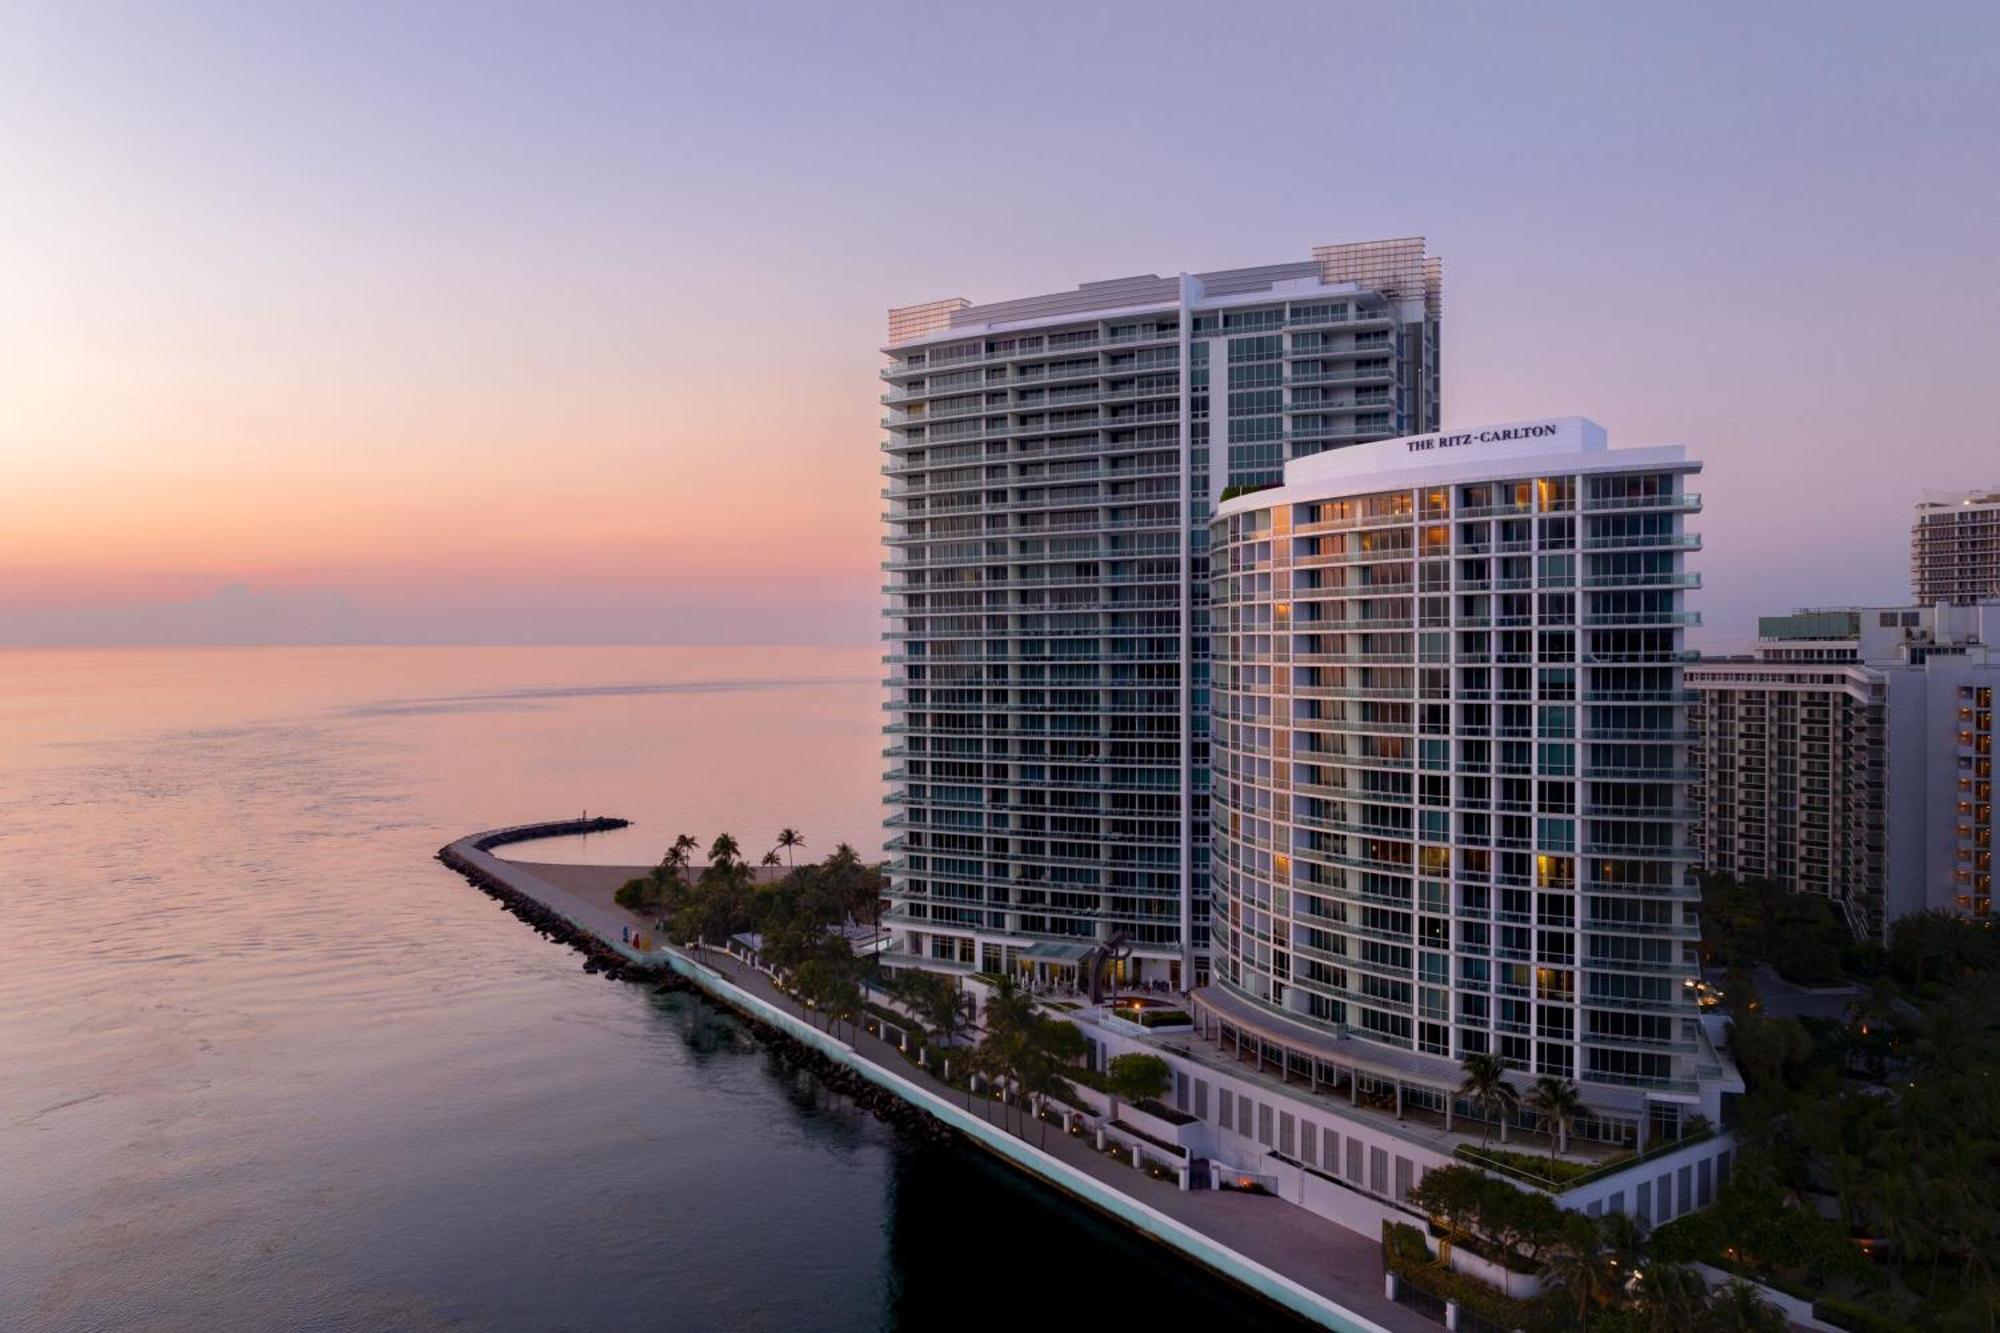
{"x": 1450, "y": 759}
{"x": 1053, "y": 463}
{"x": 1354, "y": 1158}
{"x": 1955, "y": 547}
{"x": 1852, "y": 756}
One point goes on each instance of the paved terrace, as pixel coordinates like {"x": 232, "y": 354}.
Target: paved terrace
{"x": 1305, "y": 1066}
{"x": 1416, "y": 1125}
{"x": 1322, "y": 1256}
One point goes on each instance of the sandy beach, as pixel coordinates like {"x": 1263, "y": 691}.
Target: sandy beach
{"x": 596, "y": 885}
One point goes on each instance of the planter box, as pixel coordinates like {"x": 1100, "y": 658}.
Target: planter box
{"x": 1525, "y": 1286}
{"x": 1155, "y": 1127}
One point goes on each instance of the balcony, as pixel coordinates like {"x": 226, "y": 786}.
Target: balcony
{"x": 1686, "y": 502}
{"x": 1629, "y": 541}
{"x": 1662, "y": 618}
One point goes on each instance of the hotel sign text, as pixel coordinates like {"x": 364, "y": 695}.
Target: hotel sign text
{"x": 1429, "y": 442}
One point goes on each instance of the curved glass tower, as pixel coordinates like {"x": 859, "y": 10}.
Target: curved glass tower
{"x": 1450, "y": 766}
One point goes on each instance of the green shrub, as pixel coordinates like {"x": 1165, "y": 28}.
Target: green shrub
{"x": 1090, "y": 1078}
{"x": 1488, "y": 1216}
{"x": 1400, "y": 1240}
{"x": 1753, "y": 1230}
{"x": 1856, "y": 1318}
{"x": 1407, "y": 1256}
{"x": 1535, "y": 1167}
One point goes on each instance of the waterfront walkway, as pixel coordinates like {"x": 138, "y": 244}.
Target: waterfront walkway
{"x": 1334, "y": 1263}
{"x": 1320, "y": 1255}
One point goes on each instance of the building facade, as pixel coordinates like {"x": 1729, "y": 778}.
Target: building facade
{"x": 1955, "y": 547}
{"x": 1451, "y": 771}
{"x": 1851, "y": 756}
{"x": 1053, "y": 463}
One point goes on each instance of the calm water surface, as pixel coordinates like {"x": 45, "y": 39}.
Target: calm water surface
{"x": 264, "y": 1064}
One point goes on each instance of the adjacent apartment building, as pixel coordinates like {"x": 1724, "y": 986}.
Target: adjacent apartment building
{"x": 1851, "y": 755}
{"x": 1955, "y": 547}
{"x": 1053, "y": 463}
{"x": 1451, "y": 772}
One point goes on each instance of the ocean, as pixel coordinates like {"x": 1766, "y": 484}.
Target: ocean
{"x": 265, "y": 1064}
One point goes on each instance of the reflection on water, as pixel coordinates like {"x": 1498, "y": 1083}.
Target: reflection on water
{"x": 263, "y": 1063}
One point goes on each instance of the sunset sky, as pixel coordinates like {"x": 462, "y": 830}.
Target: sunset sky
{"x": 423, "y": 322}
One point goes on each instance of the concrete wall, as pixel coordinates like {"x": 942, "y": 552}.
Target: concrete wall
{"x": 1186, "y": 1136}
{"x": 1334, "y": 1201}
{"x": 1363, "y": 1154}
{"x": 1260, "y": 1122}
{"x": 1798, "y": 1313}
{"x": 1523, "y": 1286}
{"x": 1239, "y": 1268}
{"x": 1661, "y": 1188}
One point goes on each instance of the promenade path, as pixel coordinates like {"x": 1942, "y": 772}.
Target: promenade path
{"x": 1336, "y": 1263}
{"x": 1324, "y": 1256}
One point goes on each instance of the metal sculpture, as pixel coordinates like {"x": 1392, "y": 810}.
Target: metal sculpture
{"x": 1098, "y": 962}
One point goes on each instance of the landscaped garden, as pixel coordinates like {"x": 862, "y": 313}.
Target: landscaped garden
{"x": 1595, "y": 1273}
{"x": 1869, "y": 1177}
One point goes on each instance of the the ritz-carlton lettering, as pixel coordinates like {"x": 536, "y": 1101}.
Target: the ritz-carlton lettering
{"x": 1479, "y": 437}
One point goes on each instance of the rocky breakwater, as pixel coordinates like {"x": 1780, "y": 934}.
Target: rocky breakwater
{"x": 840, "y": 1078}
{"x": 599, "y": 956}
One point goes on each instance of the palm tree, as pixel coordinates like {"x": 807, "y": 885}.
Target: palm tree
{"x": 1010, "y": 1013}
{"x": 1673, "y": 1296}
{"x": 724, "y": 851}
{"x": 1487, "y": 1088}
{"x": 1897, "y": 1206}
{"x": 993, "y": 1060}
{"x": 1053, "y": 1045}
{"x": 1847, "y": 1172}
{"x": 1555, "y": 1102}
{"x": 844, "y": 996}
{"x": 770, "y": 858}
{"x": 790, "y": 839}
{"x": 812, "y": 982}
{"x": 672, "y": 863}
{"x": 1582, "y": 1267}
{"x": 1624, "y": 1245}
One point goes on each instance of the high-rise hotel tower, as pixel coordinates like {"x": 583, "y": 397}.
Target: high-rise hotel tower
{"x": 1852, "y": 756}
{"x": 1451, "y": 769}
{"x": 1955, "y": 547}
{"x": 1053, "y": 464}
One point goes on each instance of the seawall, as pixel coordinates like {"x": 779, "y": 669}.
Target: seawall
{"x": 562, "y": 916}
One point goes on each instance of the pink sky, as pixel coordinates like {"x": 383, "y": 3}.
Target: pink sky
{"x": 422, "y": 324}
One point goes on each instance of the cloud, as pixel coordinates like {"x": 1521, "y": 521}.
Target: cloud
{"x": 584, "y": 611}
{"x": 235, "y": 614}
